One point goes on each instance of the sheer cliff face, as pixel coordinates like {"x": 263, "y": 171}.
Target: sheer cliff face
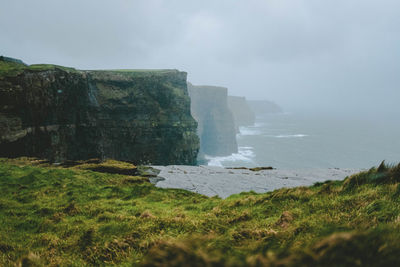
{"x": 216, "y": 127}
{"x": 59, "y": 113}
{"x": 242, "y": 113}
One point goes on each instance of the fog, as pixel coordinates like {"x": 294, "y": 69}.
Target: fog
{"x": 341, "y": 55}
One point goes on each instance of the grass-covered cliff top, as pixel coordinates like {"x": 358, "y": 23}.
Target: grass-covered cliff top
{"x": 14, "y": 67}
{"x": 74, "y": 215}
{"x": 160, "y": 71}
{"x": 134, "y": 73}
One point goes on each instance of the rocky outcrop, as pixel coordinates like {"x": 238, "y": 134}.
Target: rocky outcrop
{"x": 216, "y": 127}
{"x": 61, "y": 113}
{"x": 242, "y": 113}
{"x": 262, "y": 107}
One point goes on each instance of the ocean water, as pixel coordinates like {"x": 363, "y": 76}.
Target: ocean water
{"x": 301, "y": 140}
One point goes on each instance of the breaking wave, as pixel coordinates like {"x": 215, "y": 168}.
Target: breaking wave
{"x": 245, "y": 154}
{"x": 290, "y": 135}
{"x": 250, "y": 130}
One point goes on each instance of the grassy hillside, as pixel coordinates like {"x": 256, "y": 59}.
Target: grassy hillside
{"x": 88, "y": 214}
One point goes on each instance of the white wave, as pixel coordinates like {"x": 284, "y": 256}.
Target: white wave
{"x": 259, "y": 124}
{"x": 290, "y": 135}
{"x": 249, "y": 130}
{"x": 244, "y": 154}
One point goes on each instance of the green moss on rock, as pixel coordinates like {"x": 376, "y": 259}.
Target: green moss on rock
{"x": 62, "y": 114}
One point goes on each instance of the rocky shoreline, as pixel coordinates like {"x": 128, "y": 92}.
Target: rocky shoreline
{"x": 223, "y": 182}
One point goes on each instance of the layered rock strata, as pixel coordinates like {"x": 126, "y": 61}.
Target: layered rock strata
{"x": 242, "y": 113}
{"x": 216, "y": 127}
{"x": 60, "y": 113}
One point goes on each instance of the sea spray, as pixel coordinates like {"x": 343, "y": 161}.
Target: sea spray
{"x": 245, "y": 156}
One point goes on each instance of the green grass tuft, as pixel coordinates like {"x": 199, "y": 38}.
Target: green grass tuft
{"x": 76, "y": 215}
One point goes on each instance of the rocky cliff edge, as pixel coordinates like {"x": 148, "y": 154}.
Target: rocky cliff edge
{"x": 62, "y": 113}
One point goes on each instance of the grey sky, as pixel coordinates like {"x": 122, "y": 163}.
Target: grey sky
{"x": 331, "y": 54}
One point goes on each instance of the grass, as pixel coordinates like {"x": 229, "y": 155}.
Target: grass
{"x": 132, "y": 73}
{"x": 160, "y": 71}
{"x": 12, "y": 69}
{"x": 74, "y": 216}
{"x": 44, "y": 67}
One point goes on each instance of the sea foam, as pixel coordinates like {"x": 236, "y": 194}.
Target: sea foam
{"x": 251, "y": 130}
{"x": 245, "y": 154}
{"x": 290, "y": 135}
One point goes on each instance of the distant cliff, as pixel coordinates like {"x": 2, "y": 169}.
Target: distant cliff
{"x": 61, "y": 113}
{"x": 261, "y": 107}
{"x": 242, "y": 113}
{"x": 216, "y": 127}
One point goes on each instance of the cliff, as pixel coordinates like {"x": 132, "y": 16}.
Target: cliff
{"x": 216, "y": 127}
{"x": 261, "y": 107}
{"x": 60, "y": 113}
{"x": 242, "y": 113}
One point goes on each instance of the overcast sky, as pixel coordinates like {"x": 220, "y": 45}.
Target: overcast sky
{"x": 322, "y": 54}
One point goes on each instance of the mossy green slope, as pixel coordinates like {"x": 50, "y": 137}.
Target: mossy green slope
{"x": 74, "y": 217}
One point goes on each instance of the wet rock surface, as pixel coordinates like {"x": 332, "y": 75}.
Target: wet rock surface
{"x": 217, "y": 181}
{"x": 62, "y": 114}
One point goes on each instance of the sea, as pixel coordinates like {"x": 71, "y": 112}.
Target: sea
{"x": 300, "y": 140}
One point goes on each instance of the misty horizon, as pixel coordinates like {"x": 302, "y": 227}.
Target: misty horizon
{"x": 280, "y": 147}
{"x": 340, "y": 56}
